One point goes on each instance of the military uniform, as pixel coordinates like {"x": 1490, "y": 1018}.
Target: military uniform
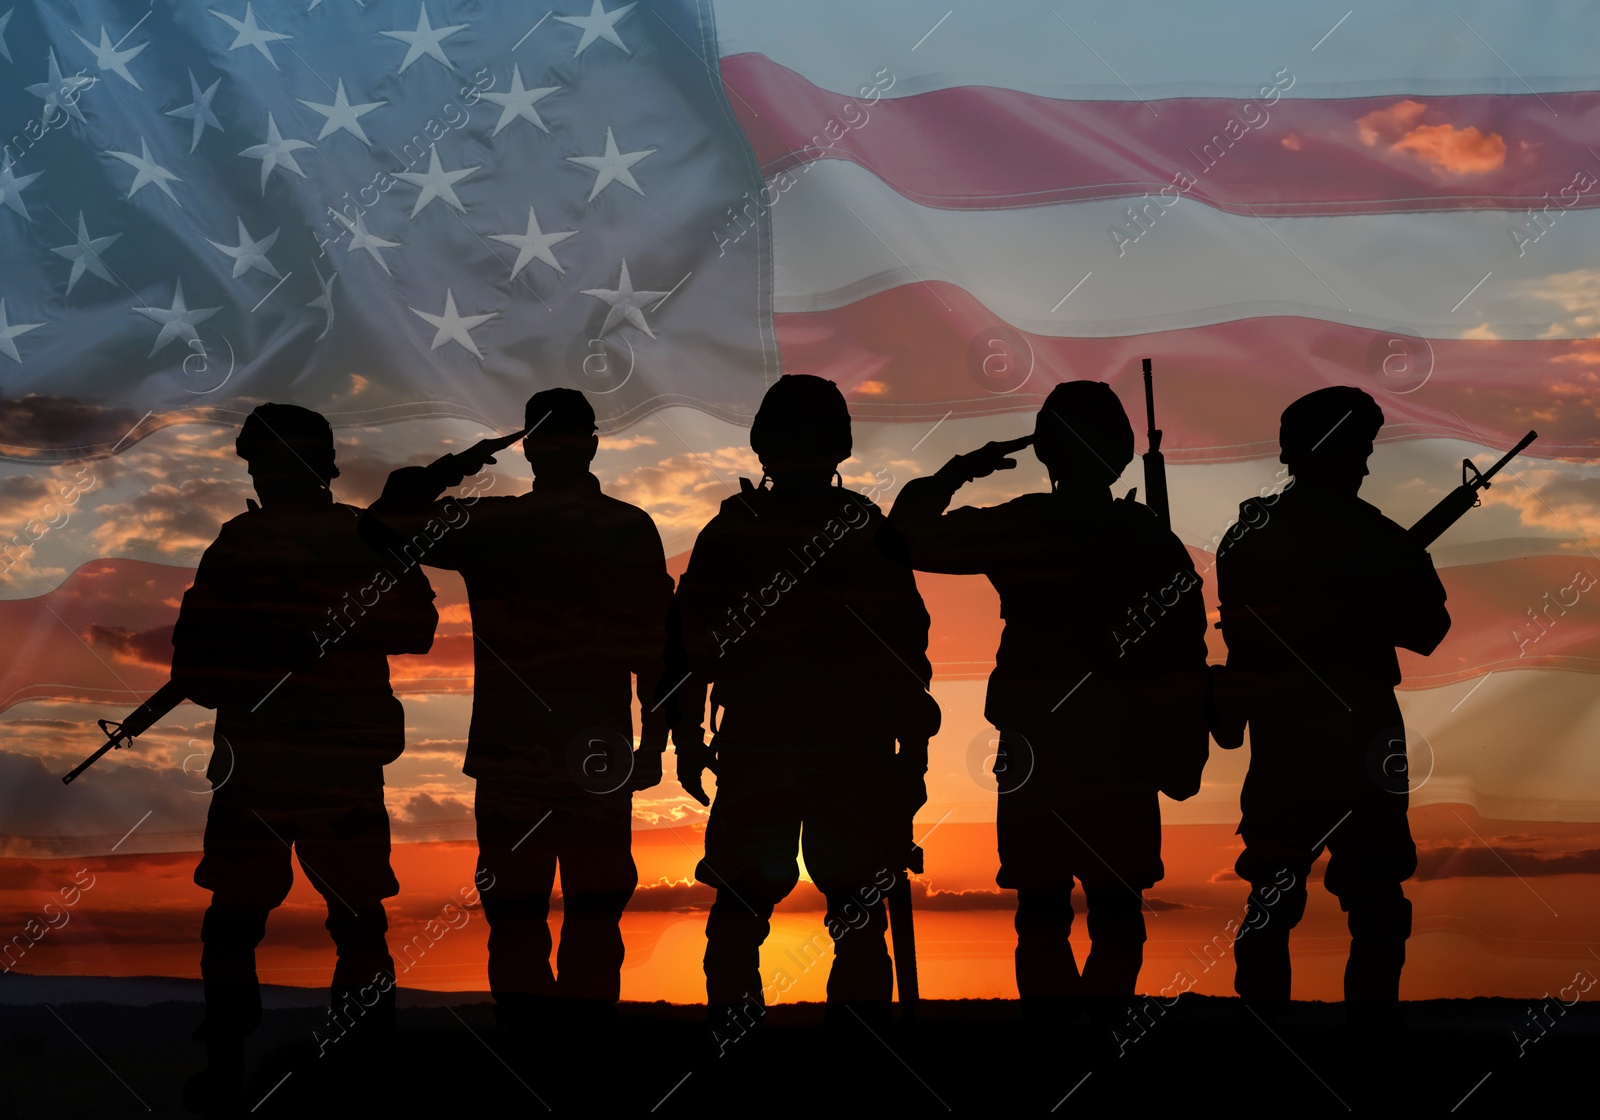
{"x": 569, "y": 593}
{"x": 816, "y": 645}
{"x": 1096, "y": 693}
{"x": 1316, "y": 592}
{"x": 286, "y": 632}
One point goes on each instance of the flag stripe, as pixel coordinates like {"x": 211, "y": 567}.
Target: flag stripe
{"x": 840, "y": 234}
{"x": 981, "y": 148}
{"x": 925, "y": 351}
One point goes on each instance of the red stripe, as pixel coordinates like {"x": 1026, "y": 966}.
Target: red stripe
{"x": 978, "y": 147}
{"x": 129, "y": 601}
{"x": 917, "y": 353}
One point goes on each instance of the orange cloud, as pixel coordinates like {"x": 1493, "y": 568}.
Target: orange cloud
{"x": 1292, "y": 142}
{"x": 1444, "y": 147}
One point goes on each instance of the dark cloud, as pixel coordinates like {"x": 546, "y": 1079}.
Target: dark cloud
{"x": 1472, "y": 860}
{"x": 423, "y": 808}
{"x": 146, "y": 647}
{"x": 60, "y": 428}
{"x": 40, "y": 817}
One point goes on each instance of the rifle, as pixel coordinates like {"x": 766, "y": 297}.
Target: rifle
{"x": 1155, "y": 464}
{"x": 137, "y": 722}
{"x": 1455, "y": 504}
{"x": 903, "y": 933}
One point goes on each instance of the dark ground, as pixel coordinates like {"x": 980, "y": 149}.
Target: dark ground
{"x": 61, "y": 1057}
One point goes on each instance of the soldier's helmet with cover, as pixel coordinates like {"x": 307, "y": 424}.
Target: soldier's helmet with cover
{"x": 287, "y": 440}
{"x": 803, "y": 422}
{"x": 1082, "y": 429}
{"x": 1337, "y": 421}
{"x": 559, "y": 417}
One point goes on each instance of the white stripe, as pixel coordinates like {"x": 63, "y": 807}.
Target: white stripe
{"x": 1191, "y": 265}
{"x": 1166, "y": 50}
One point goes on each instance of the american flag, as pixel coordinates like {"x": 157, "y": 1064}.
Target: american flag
{"x": 411, "y": 214}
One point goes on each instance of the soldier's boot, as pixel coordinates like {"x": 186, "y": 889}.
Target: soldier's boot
{"x": 1048, "y": 982}
{"x": 1262, "y": 970}
{"x": 861, "y": 981}
{"x": 1379, "y": 927}
{"x": 1116, "y": 954}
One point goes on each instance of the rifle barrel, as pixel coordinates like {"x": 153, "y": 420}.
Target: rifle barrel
{"x": 1510, "y": 455}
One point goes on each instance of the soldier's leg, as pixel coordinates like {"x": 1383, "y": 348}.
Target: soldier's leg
{"x": 343, "y": 848}
{"x": 751, "y": 842}
{"x": 1116, "y": 939}
{"x": 1370, "y": 857}
{"x": 849, "y": 854}
{"x": 1034, "y": 863}
{"x": 517, "y": 845}
{"x": 598, "y": 876}
{"x": 1275, "y": 865}
{"x": 248, "y": 871}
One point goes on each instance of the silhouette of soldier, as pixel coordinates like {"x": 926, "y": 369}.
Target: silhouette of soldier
{"x": 286, "y": 632}
{"x": 1317, "y": 589}
{"x": 1097, "y": 691}
{"x": 814, "y": 644}
{"x": 569, "y": 595}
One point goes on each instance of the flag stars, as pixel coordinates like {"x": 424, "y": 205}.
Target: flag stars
{"x": 250, "y": 34}
{"x": 61, "y": 94}
{"x": 324, "y": 302}
{"x": 425, "y": 40}
{"x": 624, "y": 305}
{"x": 5, "y": 51}
{"x": 599, "y": 24}
{"x": 146, "y": 171}
{"x": 452, "y": 326}
{"x": 361, "y": 239}
{"x": 519, "y": 103}
{"x": 108, "y": 58}
{"x": 199, "y": 110}
{"x": 9, "y": 330}
{"x": 178, "y": 321}
{"x": 249, "y": 253}
{"x": 612, "y": 167}
{"x": 342, "y": 115}
{"x": 435, "y": 183}
{"x": 84, "y": 253}
{"x": 533, "y": 245}
{"x": 11, "y": 187}
{"x": 275, "y": 152}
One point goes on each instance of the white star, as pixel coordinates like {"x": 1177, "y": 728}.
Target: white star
{"x": 519, "y": 103}
{"x": 8, "y": 329}
{"x": 148, "y": 172}
{"x": 598, "y": 24}
{"x": 177, "y": 321}
{"x": 453, "y": 327}
{"x": 12, "y": 185}
{"x": 107, "y": 57}
{"x": 249, "y": 253}
{"x": 425, "y": 40}
{"x": 611, "y": 167}
{"x": 5, "y": 51}
{"x": 276, "y": 152}
{"x": 342, "y": 114}
{"x": 199, "y": 110}
{"x": 435, "y": 183}
{"x": 249, "y": 35}
{"x": 362, "y": 4}
{"x": 361, "y": 239}
{"x": 533, "y": 245}
{"x": 625, "y": 304}
{"x": 60, "y": 93}
{"x": 325, "y": 301}
{"x": 84, "y": 254}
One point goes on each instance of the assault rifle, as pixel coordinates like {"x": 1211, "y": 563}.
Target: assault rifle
{"x": 1456, "y": 503}
{"x": 1155, "y": 464}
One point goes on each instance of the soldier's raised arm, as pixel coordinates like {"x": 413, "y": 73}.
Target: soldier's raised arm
{"x": 921, "y": 534}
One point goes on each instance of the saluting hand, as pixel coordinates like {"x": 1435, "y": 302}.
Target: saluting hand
{"x": 992, "y": 456}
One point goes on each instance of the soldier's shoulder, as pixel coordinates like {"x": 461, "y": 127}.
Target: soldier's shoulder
{"x": 1372, "y": 520}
